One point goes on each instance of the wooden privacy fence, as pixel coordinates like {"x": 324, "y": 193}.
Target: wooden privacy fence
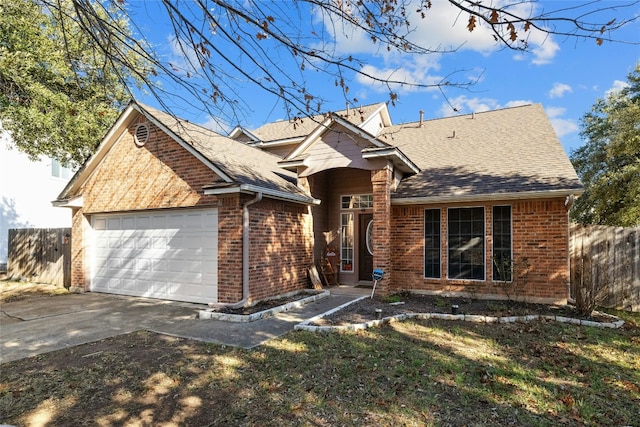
{"x": 605, "y": 261}
{"x": 40, "y": 255}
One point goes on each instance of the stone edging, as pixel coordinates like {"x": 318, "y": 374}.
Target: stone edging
{"x": 306, "y": 325}
{"x": 241, "y": 318}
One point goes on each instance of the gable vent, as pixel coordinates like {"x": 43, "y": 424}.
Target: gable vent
{"x": 141, "y": 135}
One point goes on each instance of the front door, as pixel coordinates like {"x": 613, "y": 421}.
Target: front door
{"x": 365, "y": 247}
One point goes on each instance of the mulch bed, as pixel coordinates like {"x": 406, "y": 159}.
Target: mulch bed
{"x": 265, "y": 304}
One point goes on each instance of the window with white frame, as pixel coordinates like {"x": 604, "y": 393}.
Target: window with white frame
{"x": 465, "y": 240}
{"x": 360, "y": 201}
{"x": 502, "y": 244}
{"x": 59, "y": 171}
{"x": 346, "y": 241}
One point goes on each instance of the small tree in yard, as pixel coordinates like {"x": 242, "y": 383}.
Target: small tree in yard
{"x": 512, "y": 275}
{"x": 590, "y": 291}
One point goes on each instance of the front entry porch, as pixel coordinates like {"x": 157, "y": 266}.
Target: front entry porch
{"x": 344, "y": 223}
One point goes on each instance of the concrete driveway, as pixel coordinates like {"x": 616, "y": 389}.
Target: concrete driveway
{"x": 41, "y": 324}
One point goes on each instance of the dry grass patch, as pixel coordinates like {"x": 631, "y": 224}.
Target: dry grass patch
{"x": 16, "y": 291}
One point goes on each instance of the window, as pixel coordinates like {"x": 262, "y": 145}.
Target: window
{"x": 502, "y": 248}
{"x": 466, "y": 243}
{"x": 59, "y": 171}
{"x": 362, "y": 201}
{"x": 346, "y": 241}
{"x": 432, "y": 243}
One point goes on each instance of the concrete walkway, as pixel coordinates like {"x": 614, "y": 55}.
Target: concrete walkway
{"x": 41, "y": 324}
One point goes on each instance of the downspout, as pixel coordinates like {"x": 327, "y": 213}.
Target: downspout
{"x": 568, "y": 203}
{"x": 245, "y": 258}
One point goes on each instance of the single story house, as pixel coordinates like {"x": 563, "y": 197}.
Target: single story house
{"x": 168, "y": 209}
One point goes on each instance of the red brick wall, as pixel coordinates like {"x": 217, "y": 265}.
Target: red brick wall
{"x": 281, "y": 248}
{"x": 161, "y": 174}
{"x": 539, "y": 234}
{"x": 79, "y": 268}
{"x": 230, "y": 250}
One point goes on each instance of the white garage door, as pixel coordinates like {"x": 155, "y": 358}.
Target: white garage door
{"x": 169, "y": 255}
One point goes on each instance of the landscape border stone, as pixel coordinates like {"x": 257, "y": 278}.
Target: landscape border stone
{"x": 211, "y": 314}
{"x": 307, "y": 325}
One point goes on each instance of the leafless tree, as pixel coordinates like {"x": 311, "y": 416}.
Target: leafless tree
{"x": 273, "y": 46}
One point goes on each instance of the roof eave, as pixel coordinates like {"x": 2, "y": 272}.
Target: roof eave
{"x": 268, "y": 192}
{"x": 239, "y": 130}
{"x": 458, "y": 198}
{"x": 398, "y": 157}
{"x": 73, "y": 202}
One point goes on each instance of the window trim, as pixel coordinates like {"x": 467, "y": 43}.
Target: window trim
{"x": 493, "y": 278}
{"x": 357, "y": 199}
{"x": 424, "y": 246}
{"x": 484, "y": 243}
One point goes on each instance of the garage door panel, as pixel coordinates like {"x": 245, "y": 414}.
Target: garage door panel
{"x": 170, "y": 255}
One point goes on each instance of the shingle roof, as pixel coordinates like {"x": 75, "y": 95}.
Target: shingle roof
{"x": 242, "y": 163}
{"x": 504, "y": 151}
{"x": 286, "y": 129}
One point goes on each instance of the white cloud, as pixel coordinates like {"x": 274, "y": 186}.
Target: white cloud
{"x": 559, "y": 89}
{"x": 411, "y": 72}
{"x": 561, "y": 126}
{"x": 544, "y": 48}
{"x": 182, "y": 59}
{"x": 617, "y": 86}
{"x": 466, "y": 105}
{"x": 444, "y": 28}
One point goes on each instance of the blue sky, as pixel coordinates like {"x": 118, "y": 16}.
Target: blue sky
{"x": 566, "y": 76}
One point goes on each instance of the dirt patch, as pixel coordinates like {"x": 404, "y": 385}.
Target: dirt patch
{"x": 365, "y": 309}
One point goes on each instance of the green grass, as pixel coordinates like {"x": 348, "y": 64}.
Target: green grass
{"x": 406, "y": 373}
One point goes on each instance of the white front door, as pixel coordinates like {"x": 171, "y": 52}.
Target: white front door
{"x": 170, "y": 254}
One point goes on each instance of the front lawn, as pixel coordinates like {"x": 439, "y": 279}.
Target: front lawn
{"x": 405, "y": 373}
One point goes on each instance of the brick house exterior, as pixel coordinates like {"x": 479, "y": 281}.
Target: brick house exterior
{"x": 434, "y": 204}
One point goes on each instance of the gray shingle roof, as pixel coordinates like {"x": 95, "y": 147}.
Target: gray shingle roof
{"x": 285, "y": 129}
{"x": 242, "y": 163}
{"x": 504, "y": 151}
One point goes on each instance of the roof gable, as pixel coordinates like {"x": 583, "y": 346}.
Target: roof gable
{"x": 286, "y": 130}
{"x": 235, "y": 163}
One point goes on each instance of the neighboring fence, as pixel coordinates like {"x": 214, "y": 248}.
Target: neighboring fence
{"x": 40, "y": 255}
{"x": 606, "y": 261}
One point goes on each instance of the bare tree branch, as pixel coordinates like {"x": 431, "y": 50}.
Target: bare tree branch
{"x": 226, "y": 46}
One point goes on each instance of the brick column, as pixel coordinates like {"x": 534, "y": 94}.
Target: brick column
{"x": 381, "y": 180}
{"x": 79, "y": 252}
